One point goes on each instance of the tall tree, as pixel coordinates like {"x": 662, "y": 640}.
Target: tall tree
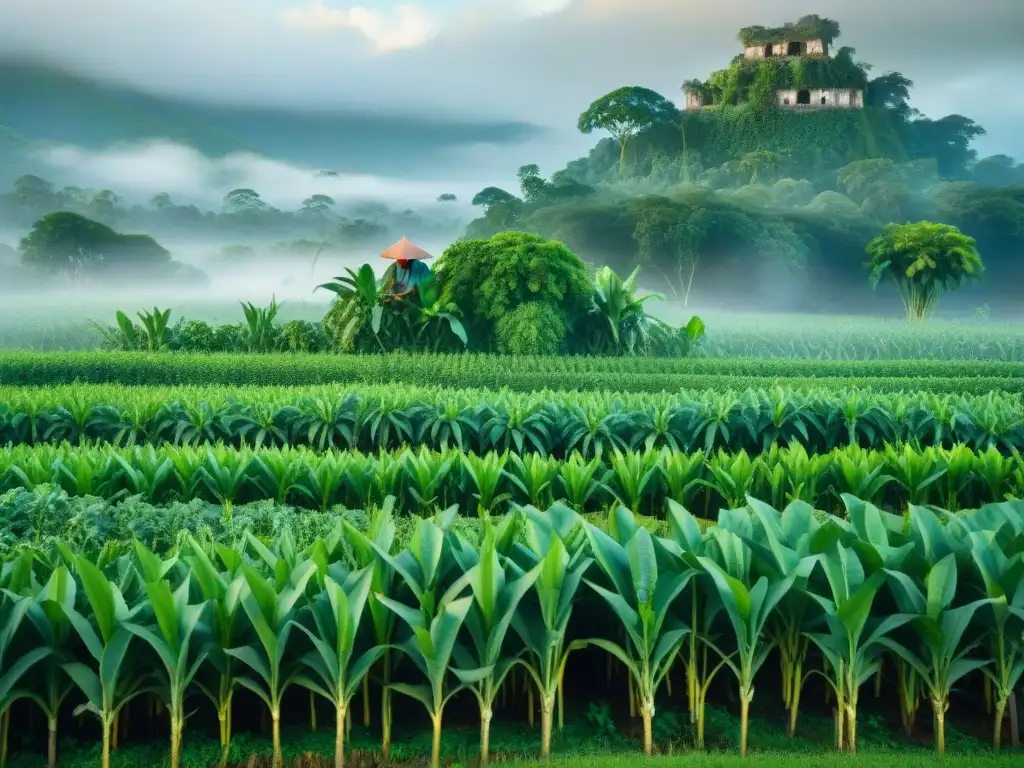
{"x": 923, "y": 260}
{"x": 625, "y": 113}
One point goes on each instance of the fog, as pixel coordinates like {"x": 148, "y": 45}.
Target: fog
{"x": 140, "y": 170}
{"x": 241, "y": 265}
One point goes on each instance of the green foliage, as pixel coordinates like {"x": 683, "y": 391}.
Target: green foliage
{"x": 923, "y": 260}
{"x": 533, "y": 328}
{"x": 626, "y": 112}
{"x": 980, "y": 372}
{"x": 488, "y": 279}
{"x": 806, "y": 28}
{"x": 555, "y": 423}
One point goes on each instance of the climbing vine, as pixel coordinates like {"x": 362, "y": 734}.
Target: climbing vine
{"x": 755, "y": 82}
{"x": 827, "y": 137}
{"x": 810, "y": 27}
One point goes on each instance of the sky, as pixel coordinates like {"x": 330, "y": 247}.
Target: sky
{"x": 538, "y": 61}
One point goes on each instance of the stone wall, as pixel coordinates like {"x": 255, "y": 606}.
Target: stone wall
{"x": 780, "y": 49}
{"x": 694, "y": 99}
{"x": 821, "y": 98}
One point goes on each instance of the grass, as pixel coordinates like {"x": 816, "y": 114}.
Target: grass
{"x": 583, "y": 744}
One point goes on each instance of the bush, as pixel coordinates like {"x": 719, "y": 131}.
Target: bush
{"x": 534, "y": 328}
{"x": 195, "y": 336}
{"x": 303, "y": 336}
{"x": 489, "y": 279}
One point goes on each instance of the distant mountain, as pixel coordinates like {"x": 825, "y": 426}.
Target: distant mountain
{"x": 41, "y": 104}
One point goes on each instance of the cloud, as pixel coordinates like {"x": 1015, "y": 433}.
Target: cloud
{"x": 406, "y": 26}
{"x": 541, "y": 61}
{"x": 139, "y": 171}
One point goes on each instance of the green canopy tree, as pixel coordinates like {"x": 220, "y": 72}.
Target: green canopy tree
{"x": 490, "y": 279}
{"x": 625, "y": 113}
{"x": 923, "y": 260}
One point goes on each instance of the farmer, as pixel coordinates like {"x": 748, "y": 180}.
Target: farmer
{"x": 408, "y": 272}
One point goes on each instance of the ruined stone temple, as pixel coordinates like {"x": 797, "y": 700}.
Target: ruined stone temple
{"x": 795, "y": 99}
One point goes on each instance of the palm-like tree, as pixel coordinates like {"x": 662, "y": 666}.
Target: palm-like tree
{"x": 923, "y": 260}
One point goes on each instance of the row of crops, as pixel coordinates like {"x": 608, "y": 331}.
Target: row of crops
{"x": 860, "y": 338}
{"x": 732, "y": 335}
{"x": 644, "y": 375}
{"x": 373, "y": 418}
{"x": 521, "y": 611}
{"x": 491, "y": 482}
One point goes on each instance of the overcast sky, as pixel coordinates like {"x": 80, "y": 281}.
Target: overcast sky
{"x": 540, "y": 61}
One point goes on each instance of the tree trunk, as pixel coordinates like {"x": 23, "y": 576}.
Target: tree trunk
{"x": 940, "y": 728}
{"x": 744, "y": 721}
{"x": 794, "y": 699}
{"x": 1014, "y": 733}
{"x": 485, "y": 734}
{"x": 546, "y": 713}
{"x": 435, "y": 747}
{"x": 275, "y": 725}
{"x": 647, "y": 715}
{"x": 997, "y": 730}
{"x": 224, "y": 716}
{"x": 106, "y": 744}
{"x": 561, "y": 701}
{"x": 366, "y": 701}
{"x": 177, "y": 726}
{"x": 339, "y": 737}
{"x": 5, "y": 727}
{"x": 385, "y": 710}
{"x": 51, "y": 742}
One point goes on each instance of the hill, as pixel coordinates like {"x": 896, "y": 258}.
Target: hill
{"x": 769, "y": 184}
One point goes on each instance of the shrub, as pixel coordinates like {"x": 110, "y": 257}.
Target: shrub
{"x": 534, "y": 328}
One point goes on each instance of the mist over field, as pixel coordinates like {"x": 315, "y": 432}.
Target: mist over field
{"x": 317, "y": 135}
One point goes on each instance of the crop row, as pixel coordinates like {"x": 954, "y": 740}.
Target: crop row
{"x": 516, "y": 373}
{"x": 422, "y": 479}
{"x": 490, "y": 612}
{"x": 545, "y": 422}
{"x": 859, "y": 338}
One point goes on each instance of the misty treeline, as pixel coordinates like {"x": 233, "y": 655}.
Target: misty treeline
{"x": 82, "y": 234}
{"x": 744, "y": 201}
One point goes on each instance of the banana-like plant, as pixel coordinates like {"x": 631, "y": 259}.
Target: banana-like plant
{"x": 113, "y": 683}
{"x": 224, "y": 591}
{"x": 645, "y": 584}
{"x": 366, "y": 550}
{"x": 851, "y": 646}
{"x": 1003, "y": 579}
{"x": 788, "y": 544}
{"x": 498, "y": 587}
{"x": 430, "y": 647}
{"x": 336, "y": 668}
{"x": 14, "y": 607}
{"x": 176, "y": 622}
{"x": 47, "y": 614}
{"x": 938, "y": 656}
{"x": 270, "y": 612}
{"x": 749, "y": 603}
{"x": 542, "y": 622}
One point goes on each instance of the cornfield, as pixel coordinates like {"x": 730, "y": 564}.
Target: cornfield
{"x": 552, "y": 423}
{"x": 929, "y": 600}
{"x": 528, "y": 374}
{"x": 734, "y": 335}
{"x": 421, "y": 479}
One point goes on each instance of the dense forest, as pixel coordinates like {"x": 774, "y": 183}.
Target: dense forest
{"x": 72, "y": 228}
{"x": 747, "y": 201}
{"x": 738, "y": 203}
